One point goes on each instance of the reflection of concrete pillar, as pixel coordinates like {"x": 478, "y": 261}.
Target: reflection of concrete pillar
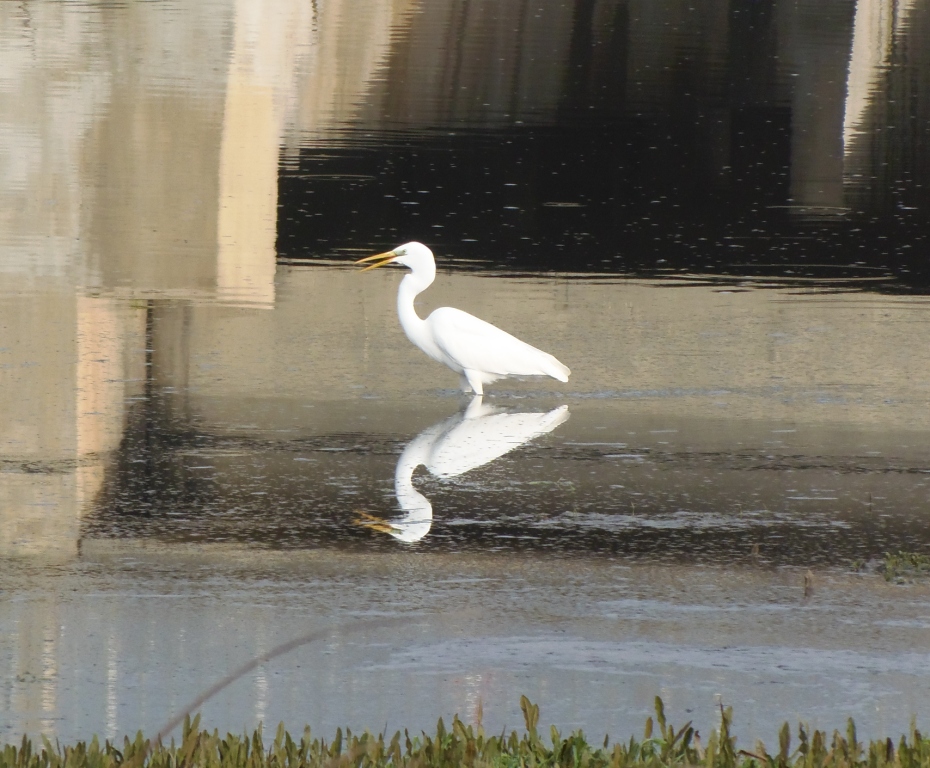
{"x": 818, "y": 104}
{"x": 352, "y": 38}
{"x": 37, "y": 424}
{"x": 37, "y": 514}
{"x": 436, "y": 62}
{"x": 100, "y": 377}
{"x": 248, "y": 193}
{"x": 875, "y": 25}
{"x": 62, "y": 411}
{"x": 870, "y": 48}
{"x": 261, "y": 70}
{"x": 105, "y": 328}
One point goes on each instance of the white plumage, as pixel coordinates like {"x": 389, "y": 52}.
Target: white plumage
{"x": 478, "y": 351}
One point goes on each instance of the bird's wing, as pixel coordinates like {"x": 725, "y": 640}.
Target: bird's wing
{"x": 474, "y": 442}
{"x": 479, "y": 346}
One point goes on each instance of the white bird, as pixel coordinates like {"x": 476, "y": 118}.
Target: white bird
{"x": 478, "y": 351}
{"x": 452, "y": 447}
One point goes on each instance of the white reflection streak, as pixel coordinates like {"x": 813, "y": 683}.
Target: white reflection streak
{"x": 452, "y": 447}
{"x": 261, "y": 681}
{"x": 112, "y": 678}
{"x": 475, "y": 685}
{"x": 261, "y": 694}
{"x": 49, "y": 678}
{"x": 876, "y": 23}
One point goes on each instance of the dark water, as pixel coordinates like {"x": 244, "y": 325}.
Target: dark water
{"x": 724, "y": 141}
{"x": 627, "y": 490}
{"x": 215, "y": 438}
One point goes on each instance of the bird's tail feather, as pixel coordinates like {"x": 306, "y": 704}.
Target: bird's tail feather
{"x": 557, "y": 370}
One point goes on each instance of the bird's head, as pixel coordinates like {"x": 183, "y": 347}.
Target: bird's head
{"x": 416, "y": 256}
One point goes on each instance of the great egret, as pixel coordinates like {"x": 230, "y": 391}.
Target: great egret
{"x": 478, "y": 351}
{"x": 452, "y": 447}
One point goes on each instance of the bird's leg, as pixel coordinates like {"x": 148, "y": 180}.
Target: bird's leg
{"x": 463, "y": 383}
{"x": 474, "y": 381}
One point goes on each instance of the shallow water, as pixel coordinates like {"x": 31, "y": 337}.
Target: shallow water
{"x": 215, "y": 438}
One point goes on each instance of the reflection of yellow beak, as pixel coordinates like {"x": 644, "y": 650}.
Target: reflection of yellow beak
{"x": 386, "y": 258}
{"x": 370, "y": 521}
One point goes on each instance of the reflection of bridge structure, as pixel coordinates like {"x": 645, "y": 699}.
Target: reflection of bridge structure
{"x": 156, "y": 178}
{"x": 820, "y": 63}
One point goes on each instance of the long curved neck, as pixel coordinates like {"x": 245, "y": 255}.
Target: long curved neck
{"x": 414, "y": 503}
{"x": 410, "y": 287}
{"x": 418, "y": 517}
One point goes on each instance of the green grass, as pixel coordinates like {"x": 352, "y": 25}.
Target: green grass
{"x": 903, "y": 567}
{"x": 661, "y": 746}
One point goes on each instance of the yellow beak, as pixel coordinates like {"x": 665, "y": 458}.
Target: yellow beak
{"x": 370, "y": 521}
{"x": 386, "y": 258}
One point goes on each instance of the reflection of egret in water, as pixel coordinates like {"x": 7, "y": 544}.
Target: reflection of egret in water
{"x": 452, "y": 447}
